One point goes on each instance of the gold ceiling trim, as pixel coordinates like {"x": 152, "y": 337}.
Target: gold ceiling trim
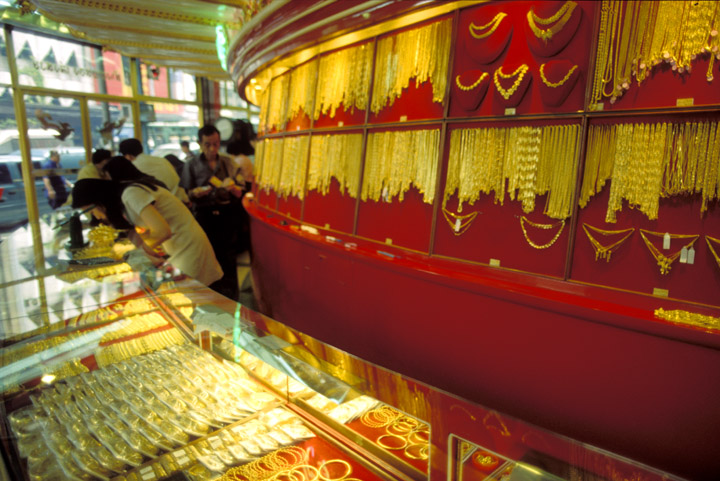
{"x": 188, "y": 60}
{"x": 147, "y": 12}
{"x": 127, "y": 43}
{"x": 139, "y": 31}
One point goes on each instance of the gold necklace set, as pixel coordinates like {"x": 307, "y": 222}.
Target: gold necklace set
{"x": 668, "y": 159}
{"x": 335, "y": 157}
{"x": 605, "y": 251}
{"x": 301, "y": 91}
{"x": 343, "y": 78}
{"x": 484, "y": 31}
{"x": 533, "y": 160}
{"x": 524, "y": 220}
{"x": 519, "y": 75}
{"x": 663, "y": 261}
{"x": 551, "y": 25}
{"x": 419, "y": 54}
{"x": 396, "y": 160}
{"x": 636, "y": 36}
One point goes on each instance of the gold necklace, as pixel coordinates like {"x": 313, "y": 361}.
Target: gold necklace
{"x": 555, "y": 84}
{"x": 561, "y": 17}
{"x": 461, "y": 223}
{"x": 679, "y": 316}
{"x": 473, "y": 85}
{"x": 523, "y": 220}
{"x": 712, "y": 249}
{"x": 601, "y": 251}
{"x": 493, "y": 25}
{"x": 520, "y": 72}
{"x": 665, "y": 262}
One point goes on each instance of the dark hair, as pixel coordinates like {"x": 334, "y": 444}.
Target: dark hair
{"x": 102, "y": 193}
{"x": 185, "y": 143}
{"x": 239, "y": 143}
{"x": 122, "y": 170}
{"x": 99, "y": 155}
{"x": 131, "y": 146}
{"x": 206, "y": 131}
{"x": 176, "y": 163}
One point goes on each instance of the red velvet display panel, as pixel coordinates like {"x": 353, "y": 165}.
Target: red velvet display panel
{"x": 633, "y": 267}
{"x": 415, "y": 102}
{"x": 290, "y": 206}
{"x": 613, "y": 387}
{"x": 300, "y": 122}
{"x": 511, "y": 45}
{"x": 342, "y": 117}
{"x": 407, "y": 223}
{"x": 334, "y": 210}
{"x": 267, "y": 198}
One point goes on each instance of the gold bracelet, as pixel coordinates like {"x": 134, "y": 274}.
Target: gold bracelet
{"x": 404, "y": 441}
{"x": 422, "y": 451}
{"x": 493, "y": 25}
{"x": 324, "y": 465}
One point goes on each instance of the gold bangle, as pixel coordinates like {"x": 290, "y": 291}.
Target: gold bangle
{"x": 391, "y": 436}
{"x": 422, "y": 451}
{"x": 341, "y": 461}
{"x": 305, "y": 467}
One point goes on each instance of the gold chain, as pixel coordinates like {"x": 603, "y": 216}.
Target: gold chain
{"x": 561, "y": 17}
{"x": 712, "y": 249}
{"x": 663, "y": 261}
{"x": 679, "y": 316}
{"x": 459, "y": 223}
{"x": 335, "y": 157}
{"x": 555, "y": 84}
{"x": 301, "y": 92}
{"x": 519, "y": 72}
{"x": 473, "y": 85}
{"x": 343, "y": 79}
{"x": 492, "y": 25}
{"x": 601, "y": 251}
{"x": 523, "y": 220}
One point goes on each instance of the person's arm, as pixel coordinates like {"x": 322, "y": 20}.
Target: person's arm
{"x": 48, "y": 187}
{"x": 158, "y": 230}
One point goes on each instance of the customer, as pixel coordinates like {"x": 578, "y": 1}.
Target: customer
{"x": 210, "y": 180}
{"x": 55, "y": 185}
{"x": 168, "y": 225}
{"x": 158, "y": 167}
{"x": 241, "y": 147}
{"x": 187, "y": 153}
{"x": 176, "y": 163}
{"x": 95, "y": 170}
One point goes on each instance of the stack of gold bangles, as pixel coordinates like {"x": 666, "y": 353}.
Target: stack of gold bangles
{"x": 401, "y": 432}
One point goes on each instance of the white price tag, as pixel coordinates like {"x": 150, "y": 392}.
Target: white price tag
{"x": 691, "y": 255}
{"x": 683, "y": 255}
{"x": 510, "y": 111}
{"x": 666, "y": 241}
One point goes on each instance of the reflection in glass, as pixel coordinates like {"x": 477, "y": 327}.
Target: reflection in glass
{"x": 111, "y": 122}
{"x": 164, "y": 125}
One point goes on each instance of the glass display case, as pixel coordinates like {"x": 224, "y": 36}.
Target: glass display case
{"x": 135, "y": 374}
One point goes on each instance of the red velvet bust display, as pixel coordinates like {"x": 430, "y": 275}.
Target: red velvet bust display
{"x": 470, "y": 88}
{"x": 511, "y": 83}
{"x": 557, "y": 78}
{"x": 487, "y": 36}
{"x": 544, "y": 38}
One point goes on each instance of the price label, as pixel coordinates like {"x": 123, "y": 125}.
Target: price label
{"x": 661, "y": 292}
{"x": 495, "y": 262}
{"x": 388, "y": 241}
{"x": 597, "y": 107}
{"x": 510, "y": 111}
{"x": 341, "y": 123}
{"x": 403, "y": 118}
{"x": 689, "y": 102}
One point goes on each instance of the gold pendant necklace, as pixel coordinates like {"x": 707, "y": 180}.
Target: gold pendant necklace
{"x": 555, "y": 84}
{"x": 471, "y": 86}
{"x": 523, "y": 220}
{"x": 561, "y": 17}
{"x": 665, "y": 262}
{"x": 601, "y": 251}
{"x": 492, "y": 25}
{"x": 458, "y": 223}
{"x": 520, "y": 72}
{"x": 712, "y": 249}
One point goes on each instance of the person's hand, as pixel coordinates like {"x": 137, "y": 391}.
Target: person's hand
{"x": 236, "y": 190}
{"x": 201, "y": 191}
{"x": 52, "y": 194}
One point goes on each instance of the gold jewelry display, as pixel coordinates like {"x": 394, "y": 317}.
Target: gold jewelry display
{"x": 294, "y": 162}
{"x": 277, "y": 93}
{"x": 343, "y": 78}
{"x": 556, "y": 22}
{"x": 401, "y": 432}
{"x": 459, "y": 223}
{"x": 556, "y": 84}
{"x": 689, "y": 318}
{"x": 519, "y": 73}
{"x": 473, "y": 85}
{"x": 301, "y": 91}
{"x": 395, "y": 160}
{"x": 420, "y": 53}
{"x": 601, "y": 251}
{"x": 324, "y": 468}
{"x": 335, "y": 157}
{"x": 671, "y": 159}
{"x": 663, "y": 261}
{"x": 636, "y": 36}
{"x": 714, "y": 253}
{"x": 484, "y": 31}
{"x": 524, "y": 220}
{"x": 533, "y": 160}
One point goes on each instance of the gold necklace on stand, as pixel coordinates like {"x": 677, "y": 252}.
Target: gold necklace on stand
{"x": 601, "y": 251}
{"x": 559, "y": 20}
{"x": 665, "y": 262}
{"x": 481, "y": 31}
{"x": 459, "y": 223}
{"x": 524, "y": 220}
{"x": 712, "y": 249}
{"x": 555, "y": 84}
{"x": 471, "y": 86}
{"x": 519, "y": 72}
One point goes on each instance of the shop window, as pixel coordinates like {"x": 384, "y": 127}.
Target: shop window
{"x": 182, "y": 86}
{"x": 164, "y": 125}
{"x": 153, "y": 80}
{"x": 4, "y": 67}
{"x": 110, "y": 123}
{"x": 54, "y": 63}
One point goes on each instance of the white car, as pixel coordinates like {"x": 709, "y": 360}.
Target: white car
{"x": 165, "y": 149}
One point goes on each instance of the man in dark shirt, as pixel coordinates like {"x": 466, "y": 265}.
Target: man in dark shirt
{"x": 55, "y": 185}
{"x": 211, "y": 180}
